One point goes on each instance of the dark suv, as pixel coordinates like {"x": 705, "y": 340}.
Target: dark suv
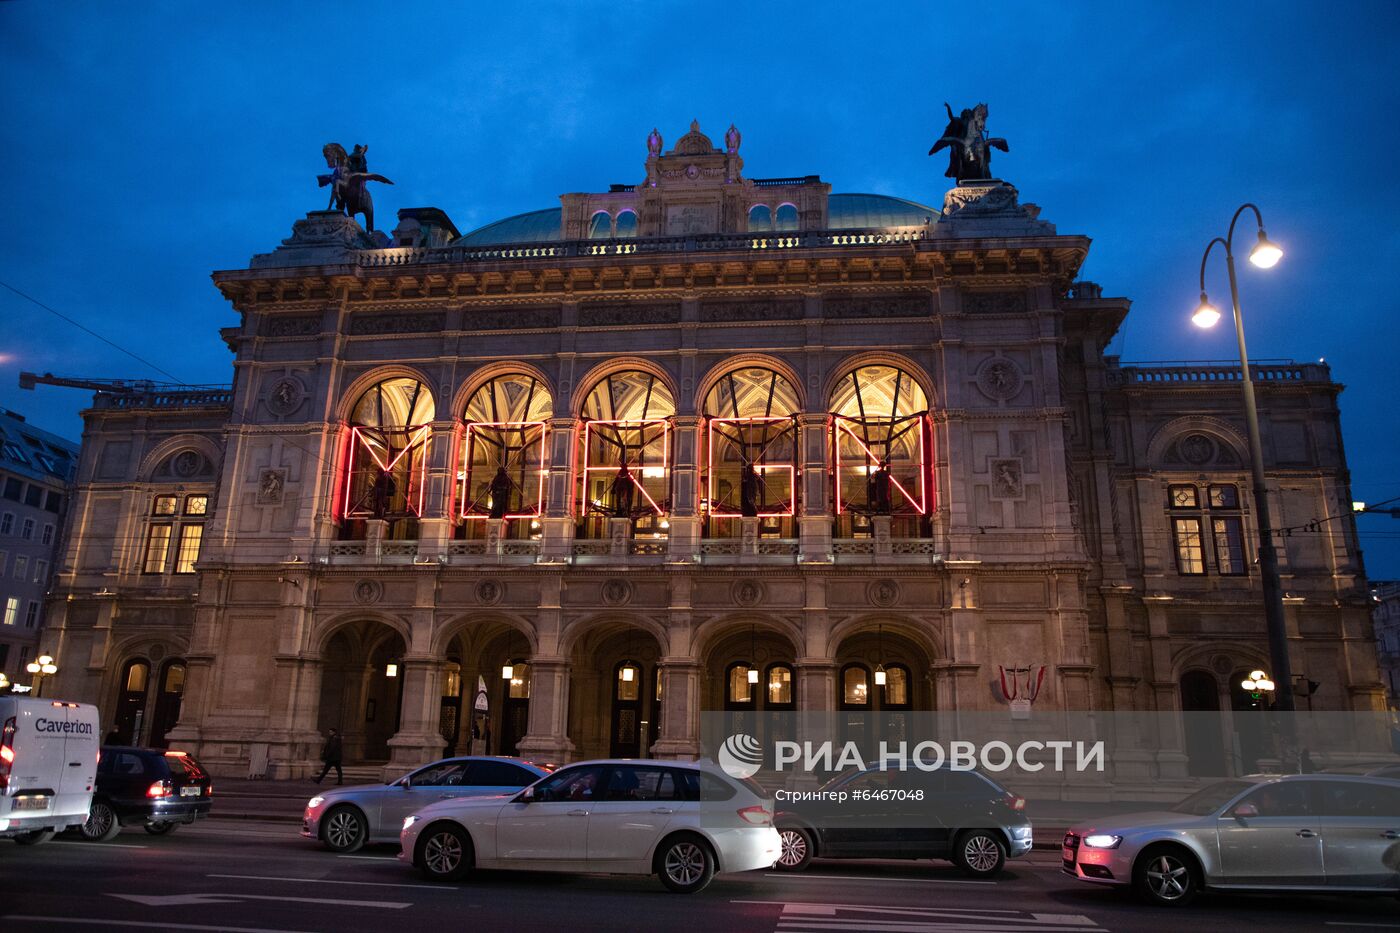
{"x": 158, "y": 789}
{"x": 963, "y": 816}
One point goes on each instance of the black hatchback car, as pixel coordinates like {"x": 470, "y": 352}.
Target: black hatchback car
{"x": 155, "y": 788}
{"x": 962, "y": 816}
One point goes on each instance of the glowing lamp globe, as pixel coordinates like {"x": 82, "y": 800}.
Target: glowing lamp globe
{"x": 1205, "y": 316}
{"x": 1266, "y": 253}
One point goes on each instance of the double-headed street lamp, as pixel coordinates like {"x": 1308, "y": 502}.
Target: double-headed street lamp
{"x": 41, "y": 667}
{"x": 1265, "y": 255}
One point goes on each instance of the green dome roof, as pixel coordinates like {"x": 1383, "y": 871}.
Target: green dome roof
{"x": 844, "y": 212}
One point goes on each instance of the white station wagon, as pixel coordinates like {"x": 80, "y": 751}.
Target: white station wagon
{"x": 680, "y": 821}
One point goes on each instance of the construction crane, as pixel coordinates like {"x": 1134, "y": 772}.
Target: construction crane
{"x": 109, "y": 386}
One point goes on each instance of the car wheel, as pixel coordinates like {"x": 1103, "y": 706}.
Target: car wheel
{"x": 102, "y": 824}
{"x": 795, "y": 853}
{"x": 980, "y": 853}
{"x": 37, "y": 837}
{"x": 161, "y": 828}
{"x": 1167, "y": 876}
{"x": 445, "y": 852}
{"x": 685, "y": 864}
{"x": 344, "y": 829}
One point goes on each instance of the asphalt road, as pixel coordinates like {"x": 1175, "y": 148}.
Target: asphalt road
{"x": 248, "y": 876}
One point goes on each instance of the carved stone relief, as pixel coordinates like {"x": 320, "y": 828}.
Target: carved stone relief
{"x": 301, "y": 325}
{"x": 750, "y": 310}
{"x": 368, "y": 592}
{"x": 1006, "y": 479}
{"x": 748, "y": 592}
{"x": 883, "y": 593}
{"x": 489, "y": 592}
{"x": 621, "y": 315}
{"x": 994, "y": 302}
{"x": 272, "y": 486}
{"x": 876, "y": 306}
{"x": 1000, "y": 378}
{"x": 366, "y": 325}
{"x": 617, "y": 592}
{"x": 286, "y": 395}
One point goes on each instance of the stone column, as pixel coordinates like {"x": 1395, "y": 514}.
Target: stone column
{"x": 814, "y": 519}
{"x": 418, "y": 740}
{"x": 686, "y": 469}
{"x": 375, "y": 529}
{"x": 680, "y": 709}
{"x": 1172, "y": 760}
{"x": 435, "y": 524}
{"x": 548, "y": 737}
{"x": 557, "y": 532}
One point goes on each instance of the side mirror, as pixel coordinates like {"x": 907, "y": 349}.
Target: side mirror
{"x": 1245, "y": 811}
{"x": 526, "y": 796}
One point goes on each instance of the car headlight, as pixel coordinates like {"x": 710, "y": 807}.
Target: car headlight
{"x": 409, "y": 821}
{"x": 1102, "y": 841}
{"x": 1021, "y": 832}
{"x": 315, "y": 802}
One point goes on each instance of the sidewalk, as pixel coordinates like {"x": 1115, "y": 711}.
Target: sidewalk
{"x": 244, "y": 799}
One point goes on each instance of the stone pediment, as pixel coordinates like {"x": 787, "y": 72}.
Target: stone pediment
{"x": 694, "y": 143}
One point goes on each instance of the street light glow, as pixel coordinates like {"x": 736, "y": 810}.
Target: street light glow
{"x": 1266, "y": 253}
{"x": 1205, "y": 316}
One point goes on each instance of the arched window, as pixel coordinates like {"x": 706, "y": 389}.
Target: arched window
{"x": 386, "y": 458}
{"x": 855, "y": 687}
{"x": 778, "y": 687}
{"x": 626, "y": 224}
{"x": 751, "y": 452}
{"x": 760, "y": 219}
{"x": 882, "y": 443}
{"x": 129, "y": 723}
{"x": 600, "y": 226}
{"x": 895, "y": 693}
{"x": 738, "y": 692}
{"x": 504, "y": 453}
{"x": 786, "y": 218}
{"x": 626, "y": 453}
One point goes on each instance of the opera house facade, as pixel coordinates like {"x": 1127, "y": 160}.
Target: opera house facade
{"x": 702, "y": 442}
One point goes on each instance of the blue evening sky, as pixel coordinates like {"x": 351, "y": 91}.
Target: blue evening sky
{"x": 147, "y": 144}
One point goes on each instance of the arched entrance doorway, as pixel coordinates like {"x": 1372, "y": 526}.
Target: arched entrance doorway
{"x": 1200, "y": 702}
{"x": 882, "y": 675}
{"x": 170, "y": 692}
{"x": 130, "y": 718}
{"x": 361, "y": 689}
{"x": 485, "y": 704}
{"x": 751, "y": 676}
{"x": 615, "y": 691}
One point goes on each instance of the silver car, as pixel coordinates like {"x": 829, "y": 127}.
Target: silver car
{"x": 1325, "y": 833}
{"x": 345, "y": 818}
{"x": 680, "y": 821}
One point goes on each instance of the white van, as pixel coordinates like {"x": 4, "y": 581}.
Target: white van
{"x": 48, "y": 763}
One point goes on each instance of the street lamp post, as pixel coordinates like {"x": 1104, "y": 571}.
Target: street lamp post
{"x": 1265, "y": 255}
{"x": 41, "y": 667}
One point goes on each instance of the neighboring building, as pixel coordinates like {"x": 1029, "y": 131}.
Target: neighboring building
{"x": 634, "y": 448}
{"x": 1386, "y": 613}
{"x": 36, "y": 468}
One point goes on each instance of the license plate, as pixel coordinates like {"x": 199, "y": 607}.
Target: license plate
{"x": 191, "y": 791}
{"x": 31, "y": 803}
{"x": 1068, "y": 854}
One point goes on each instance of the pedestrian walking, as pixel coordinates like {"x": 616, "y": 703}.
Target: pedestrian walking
{"x": 330, "y": 756}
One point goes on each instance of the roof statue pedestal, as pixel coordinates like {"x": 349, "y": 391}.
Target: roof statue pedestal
{"x": 321, "y": 238}
{"x": 989, "y": 207}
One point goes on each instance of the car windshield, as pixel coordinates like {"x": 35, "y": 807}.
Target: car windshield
{"x": 1209, "y": 799}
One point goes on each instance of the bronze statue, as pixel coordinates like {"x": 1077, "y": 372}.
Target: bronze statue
{"x": 969, "y": 147}
{"x": 501, "y": 488}
{"x": 348, "y": 178}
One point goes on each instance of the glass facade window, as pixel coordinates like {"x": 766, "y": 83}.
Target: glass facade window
{"x": 11, "y": 610}
{"x": 1229, "y": 545}
{"x": 136, "y": 675}
{"x": 881, "y": 442}
{"x": 855, "y": 686}
{"x": 751, "y": 453}
{"x": 1190, "y": 549}
{"x": 164, "y": 505}
{"x": 47, "y": 536}
{"x": 157, "y": 548}
{"x": 625, "y": 456}
{"x": 21, "y": 566}
{"x": 896, "y": 686}
{"x": 1183, "y": 497}
{"x": 190, "y": 538}
{"x": 1224, "y": 497}
{"x": 785, "y": 220}
{"x": 519, "y": 681}
{"x": 760, "y": 219}
{"x": 626, "y": 224}
{"x": 738, "y": 688}
{"x": 505, "y": 450}
{"x": 600, "y": 226}
{"x": 26, "y": 530}
{"x": 385, "y": 460}
{"x": 779, "y": 685}
{"x": 196, "y": 505}
{"x": 7, "y": 523}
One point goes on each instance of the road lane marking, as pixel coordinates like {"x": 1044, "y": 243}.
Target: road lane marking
{"x": 144, "y": 924}
{"x": 806, "y": 916}
{"x": 862, "y": 878}
{"x": 378, "y": 884}
{"x": 101, "y": 845}
{"x": 1356, "y": 923}
{"x": 372, "y": 858}
{"x": 181, "y": 900}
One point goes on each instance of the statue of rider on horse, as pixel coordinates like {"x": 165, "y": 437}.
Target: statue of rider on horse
{"x": 969, "y": 147}
{"x": 348, "y": 178}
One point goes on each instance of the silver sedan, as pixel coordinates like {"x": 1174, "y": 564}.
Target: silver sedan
{"x": 345, "y": 818}
{"x": 1324, "y": 833}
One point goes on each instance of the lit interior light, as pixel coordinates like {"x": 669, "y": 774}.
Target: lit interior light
{"x": 880, "y": 675}
{"x": 653, "y": 472}
{"x": 753, "y": 675}
{"x": 628, "y": 673}
{"x": 507, "y": 671}
{"x": 391, "y": 670}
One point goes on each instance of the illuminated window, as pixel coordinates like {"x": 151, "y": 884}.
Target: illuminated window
{"x": 626, "y": 454}
{"x": 737, "y": 686}
{"x": 1190, "y": 553}
{"x": 386, "y": 457}
{"x": 11, "y": 610}
{"x": 779, "y": 682}
{"x": 196, "y": 505}
{"x": 1183, "y": 497}
{"x": 855, "y": 685}
{"x": 760, "y": 219}
{"x": 190, "y": 538}
{"x": 174, "y": 679}
{"x": 882, "y": 443}
{"x": 157, "y": 548}
{"x": 519, "y": 687}
{"x": 1224, "y": 497}
{"x": 502, "y": 474}
{"x": 628, "y": 681}
{"x": 751, "y": 451}
{"x": 896, "y": 689}
{"x": 136, "y": 674}
{"x": 164, "y": 505}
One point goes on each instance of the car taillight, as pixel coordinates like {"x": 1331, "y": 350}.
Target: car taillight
{"x": 159, "y": 789}
{"x": 1015, "y": 802}
{"x": 758, "y": 816}
{"x": 7, "y": 752}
